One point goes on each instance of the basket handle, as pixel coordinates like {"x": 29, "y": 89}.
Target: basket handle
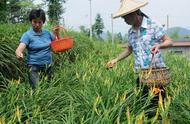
{"x": 56, "y": 31}
{"x": 150, "y": 66}
{"x": 152, "y": 59}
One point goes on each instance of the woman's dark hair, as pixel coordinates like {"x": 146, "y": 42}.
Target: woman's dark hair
{"x": 37, "y": 13}
{"x": 140, "y": 13}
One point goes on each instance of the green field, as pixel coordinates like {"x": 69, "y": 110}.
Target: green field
{"x": 83, "y": 90}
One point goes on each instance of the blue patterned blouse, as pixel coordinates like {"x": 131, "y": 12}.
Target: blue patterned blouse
{"x": 142, "y": 41}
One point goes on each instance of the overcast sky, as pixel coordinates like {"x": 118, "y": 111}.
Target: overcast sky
{"x": 77, "y": 13}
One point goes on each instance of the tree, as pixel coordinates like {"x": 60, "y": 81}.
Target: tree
{"x": 118, "y": 37}
{"x": 15, "y": 11}
{"x": 109, "y": 36}
{"x": 84, "y": 30}
{"x": 55, "y": 10}
{"x": 19, "y": 10}
{"x": 175, "y": 35}
{"x": 125, "y": 38}
{"x": 98, "y": 26}
{"x": 186, "y": 37}
{"x": 3, "y": 11}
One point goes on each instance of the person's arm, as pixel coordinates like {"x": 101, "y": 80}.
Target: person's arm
{"x": 166, "y": 42}
{"x": 121, "y": 56}
{"x": 19, "y": 50}
{"x": 124, "y": 54}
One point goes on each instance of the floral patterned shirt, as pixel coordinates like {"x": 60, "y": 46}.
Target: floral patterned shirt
{"x": 142, "y": 40}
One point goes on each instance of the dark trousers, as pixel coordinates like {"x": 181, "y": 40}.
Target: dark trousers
{"x": 35, "y": 72}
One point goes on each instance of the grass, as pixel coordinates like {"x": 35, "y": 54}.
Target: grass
{"x": 84, "y": 91}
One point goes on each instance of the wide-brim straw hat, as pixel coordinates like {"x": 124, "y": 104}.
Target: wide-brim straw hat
{"x": 129, "y": 6}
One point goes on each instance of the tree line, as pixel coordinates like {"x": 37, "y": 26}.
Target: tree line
{"x": 16, "y": 11}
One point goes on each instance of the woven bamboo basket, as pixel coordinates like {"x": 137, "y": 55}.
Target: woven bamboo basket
{"x": 155, "y": 76}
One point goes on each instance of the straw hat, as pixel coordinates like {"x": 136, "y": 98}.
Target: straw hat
{"x": 129, "y": 6}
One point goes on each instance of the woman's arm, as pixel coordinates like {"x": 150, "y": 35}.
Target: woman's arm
{"x": 19, "y": 50}
{"x": 121, "y": 56}
{"x": 124, "y": 54}
{"x": 166, "y": 42}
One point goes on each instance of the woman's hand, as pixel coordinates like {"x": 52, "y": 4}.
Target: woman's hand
{"x": 19, "y": 51}
{"x": 19, "y": 55}
{"x": 155, "y": 48}
{"x": 166, "y": 42}
{"x": 56, "y": 31}
{"x": 111, "y": 63}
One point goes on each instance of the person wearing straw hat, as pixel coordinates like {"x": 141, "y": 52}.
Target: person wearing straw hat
{"x": 145, "y": 37}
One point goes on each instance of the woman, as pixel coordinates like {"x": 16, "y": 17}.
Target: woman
{"x": 37, "y": 41}
{"x": 145, "y": 38}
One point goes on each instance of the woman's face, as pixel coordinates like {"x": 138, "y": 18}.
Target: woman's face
{"x": 130, "y": 19}
{"x": 37, "y": 24}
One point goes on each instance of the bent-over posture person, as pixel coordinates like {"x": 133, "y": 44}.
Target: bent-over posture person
{"x": 145, "y": 37}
